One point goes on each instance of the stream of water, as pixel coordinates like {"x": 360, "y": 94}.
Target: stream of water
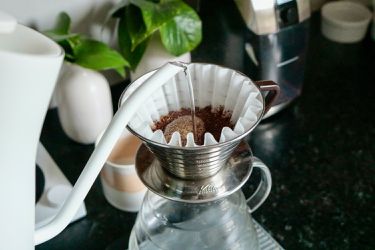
{"x": 192, "y": 101}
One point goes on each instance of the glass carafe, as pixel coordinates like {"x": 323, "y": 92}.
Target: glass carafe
{"x": 223, "y": 223}
{"x": 220, "y": 224}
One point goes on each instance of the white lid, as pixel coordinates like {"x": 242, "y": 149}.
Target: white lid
{"x": 7, "y": 23}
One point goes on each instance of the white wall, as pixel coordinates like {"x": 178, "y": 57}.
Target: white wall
{"x": 87, "y": 15}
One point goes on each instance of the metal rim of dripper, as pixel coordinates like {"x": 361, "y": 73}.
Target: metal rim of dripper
{"x": 226, "y": 181}
{"x": 238, "y": 138}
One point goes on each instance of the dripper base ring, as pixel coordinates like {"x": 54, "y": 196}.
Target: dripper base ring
{"x": 226, "y": 181}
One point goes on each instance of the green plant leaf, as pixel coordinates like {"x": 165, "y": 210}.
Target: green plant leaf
{"x": 117, "y": 10}
{"x": 154, "y": 16}
{"x": 86, "y": 52}
{"x": 61, "y": 29}
{"x": 69, "y": 46}
{"x": 120, "y": 71}
{"x": 132, "y": 20}
{"x": 98, "y": 56}
{"x": 135, "y": 26}
{"x": 74, "y": 41}
{"x": 179, "y": 26}
{"x": 183, "y": 33}
{"x": 60, "y": 34}
{"x": 62, "y": 25}
{"x": 58, "y": 37}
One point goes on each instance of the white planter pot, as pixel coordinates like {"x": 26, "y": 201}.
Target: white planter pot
{"x": 84, "y": 103}
{"x": 155, "y": 56}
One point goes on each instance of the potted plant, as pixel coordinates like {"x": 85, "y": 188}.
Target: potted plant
{"x": 152, "y": 32}
{"x": 82, "y": 93}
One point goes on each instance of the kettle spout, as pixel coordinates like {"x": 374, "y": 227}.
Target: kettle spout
{"x": 99, "y": 156}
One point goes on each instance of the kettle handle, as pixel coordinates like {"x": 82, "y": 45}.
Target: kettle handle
{"x": 273, "y": 92}
{"x": 264, "y": 187}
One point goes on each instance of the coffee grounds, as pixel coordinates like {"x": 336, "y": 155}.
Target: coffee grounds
{"x": 184, "y": 125}
{"x": 214, "y": 121}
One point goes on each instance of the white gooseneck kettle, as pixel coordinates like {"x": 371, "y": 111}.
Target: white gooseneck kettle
{"x": 29, "y": 66}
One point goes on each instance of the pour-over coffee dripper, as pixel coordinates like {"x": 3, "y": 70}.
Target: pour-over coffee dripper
{"x": 199, "y": 182}
{"x": 199, "y": 173}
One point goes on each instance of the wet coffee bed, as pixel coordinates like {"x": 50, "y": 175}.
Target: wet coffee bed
{"x": 214, "y": 120}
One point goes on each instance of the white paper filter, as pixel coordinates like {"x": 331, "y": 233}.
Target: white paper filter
{"x": 213, "y": 85}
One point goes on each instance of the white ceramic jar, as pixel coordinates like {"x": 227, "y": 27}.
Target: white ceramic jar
{"x": 121, "y": 185}
{"x": 84, "y": 103}
{"x": 345, "y": 22}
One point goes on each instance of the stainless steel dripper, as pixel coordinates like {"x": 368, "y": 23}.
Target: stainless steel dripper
{"x": 201, "y": 162}
{"x": 202, "y": 173}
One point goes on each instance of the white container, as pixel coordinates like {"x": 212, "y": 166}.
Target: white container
{"x": 121, "y": 185}
{"x": 84, "y": 103}
{"x": 345, "y": 22}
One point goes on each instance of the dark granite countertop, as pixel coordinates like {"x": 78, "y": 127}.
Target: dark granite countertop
{"x": 320, "y": 150}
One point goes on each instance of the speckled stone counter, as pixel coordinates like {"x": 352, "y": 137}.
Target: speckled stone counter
{"x": 320, "y": 150}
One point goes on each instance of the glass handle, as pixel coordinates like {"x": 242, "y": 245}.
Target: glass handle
{"x": 273, "y": 92}
{"x": 264, "y": 187}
